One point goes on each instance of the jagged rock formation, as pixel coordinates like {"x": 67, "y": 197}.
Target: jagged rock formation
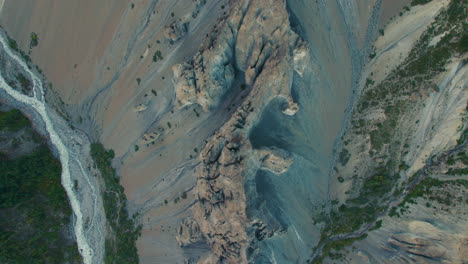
{"x": 263, "y": 44}
{"x": 208, "y": 76}
{"x": 253, "y": 37}
{"x": 188, "y": 232}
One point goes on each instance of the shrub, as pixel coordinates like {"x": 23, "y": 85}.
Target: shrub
{"x": 157, "y": 56}
{"x": 419, "y": 2}
{"x": 120, "y": 244}
{"x": 34, "y": 40}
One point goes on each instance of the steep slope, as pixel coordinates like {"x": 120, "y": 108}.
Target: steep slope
{"x": 249, "y": 208}
{"x": 224, "y": 115}
{"x": 402, "y": 168}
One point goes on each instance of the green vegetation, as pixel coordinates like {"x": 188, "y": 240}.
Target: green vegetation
{"x": 344, "y": 156}
{"x": 430, "y": 189}
{"x": 169, "y": 125}
{"x": 14, "y": 46}
{"x": 427, "y": 61}
{"x": 356, "y": 212}
{"x": 413, "y": 78}
{"x": 120, "y": 244}
{"x": 24, "y": 82}
{"x": 34, "y": 210}
{"x": 138, "y": 80}
{"x": 378, "y": 225}
{"x": 12, "y": 121}
{"x": 458, "y": 171}
{"x": 157, "y": 56}
{"x": 136, "y": 148}
{"x": 362, "y": 209}
{"x": 419, "y": 2}
{"x": 415, "y": 75}
{"x": 154, "y": 92}
{"x": 34, "y": 40}
{"x": 333, "y": 248}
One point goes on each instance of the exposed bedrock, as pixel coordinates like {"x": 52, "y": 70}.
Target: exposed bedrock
{"x": 262, "y": 172}
{"x": 175, "y": 30}
{"x": 240, "y": 45}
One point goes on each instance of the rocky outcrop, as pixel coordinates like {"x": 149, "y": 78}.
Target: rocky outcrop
{"x": 275, "y": 160}
{"x": 175, "y": 31}
{"x": 151, "y": 137}
{"x": 188, "y": 232}
{"x": 205, "y": 79}
{"x": 290, "y": 107}
{"x": 140, "y": 107}
{"x": 263, "y": 44}
{"x": 244, "y": 43}
{"x": 220, "y": 210}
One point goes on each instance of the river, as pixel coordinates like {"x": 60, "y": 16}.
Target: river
{"x": 72, "y": 149}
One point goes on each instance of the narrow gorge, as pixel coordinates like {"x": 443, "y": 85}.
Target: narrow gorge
{"x": 249, "y": 131}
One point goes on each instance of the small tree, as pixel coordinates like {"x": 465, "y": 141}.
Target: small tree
{"x": 34, "y": 40}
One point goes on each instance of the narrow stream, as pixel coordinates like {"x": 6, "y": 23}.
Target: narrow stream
{"x": 37, "y": 103}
